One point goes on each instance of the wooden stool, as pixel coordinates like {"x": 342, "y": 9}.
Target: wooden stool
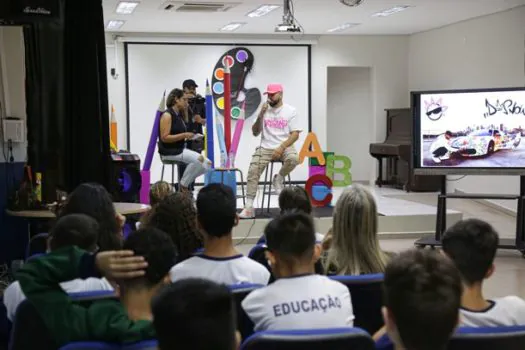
{"x": 269, "y": 192}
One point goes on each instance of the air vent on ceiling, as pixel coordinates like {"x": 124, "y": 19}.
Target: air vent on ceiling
{"x": 192, "y": 6}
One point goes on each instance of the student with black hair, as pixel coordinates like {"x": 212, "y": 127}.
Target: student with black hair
{"x": 294, "y": 198}
{"x": 71, "y": 230}
{"x": 140, "y": 270}
{"x": 471, "y": 244}
{"x": 298, "y": 299}
{"x": 195, "y": 314}
{"x": 422, "y": 294}
{"x": 220, "y": 261}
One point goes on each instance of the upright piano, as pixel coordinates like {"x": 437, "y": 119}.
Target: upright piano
{"x": 397, "y": 151}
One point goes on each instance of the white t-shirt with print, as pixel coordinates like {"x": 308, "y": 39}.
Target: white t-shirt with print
{"x": 278, "y": 123}
{"x": 13, "y": 295}
{"x": 300, "y": 302}
{"x": 506, "y": 311}
{"x": 233, "y": 270}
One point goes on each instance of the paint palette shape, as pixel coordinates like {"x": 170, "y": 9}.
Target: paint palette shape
{"x": 240, "y": 60}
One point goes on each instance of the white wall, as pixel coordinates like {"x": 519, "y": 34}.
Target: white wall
{"x": 12, "y": 75}
{"x": 482, "y": 53}
{"x": 350, "y": 118}
{"x": 386, "y": 55}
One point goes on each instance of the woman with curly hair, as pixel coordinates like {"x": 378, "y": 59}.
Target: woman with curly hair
{"x": 176, "y": 215}
{"x": 93, "y": 200}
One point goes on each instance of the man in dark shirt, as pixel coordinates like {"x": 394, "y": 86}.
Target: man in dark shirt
{"x": 196, "y": 117}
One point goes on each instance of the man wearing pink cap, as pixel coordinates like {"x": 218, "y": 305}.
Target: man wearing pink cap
{"x": 278, "y": 124}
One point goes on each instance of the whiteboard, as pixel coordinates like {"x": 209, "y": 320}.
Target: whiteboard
{"x": 152, "y": 68}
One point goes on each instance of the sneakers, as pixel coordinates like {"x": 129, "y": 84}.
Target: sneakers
{"x": 436, "y": 160}
{"x": 278, "y": 184}
{"x": 247, "y": 213}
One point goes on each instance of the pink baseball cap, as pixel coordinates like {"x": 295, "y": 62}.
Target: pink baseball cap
{"x": 273, "y": 89}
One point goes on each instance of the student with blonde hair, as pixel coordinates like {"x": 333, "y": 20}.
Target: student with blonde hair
{"x": 354, "y": 248}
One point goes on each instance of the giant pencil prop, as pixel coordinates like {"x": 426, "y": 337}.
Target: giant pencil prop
{"x": 222, "y": 144}
{"x": 209, "y": 125}
{"x": 145, "y": 173}
{"x": 227, "y": 107}
{"x": 236, "y": 138}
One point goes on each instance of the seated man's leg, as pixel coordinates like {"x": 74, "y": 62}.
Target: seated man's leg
{"x": 259, "y": 162}
{"x": 290, "y": 160}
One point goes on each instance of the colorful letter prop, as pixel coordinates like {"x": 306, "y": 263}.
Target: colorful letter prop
{"x": 316, "y": 152}
{"x": 328, "y": 196}
{"x": 332, "y": 170}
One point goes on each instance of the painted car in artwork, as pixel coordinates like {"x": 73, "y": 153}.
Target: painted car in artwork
{"x": 485, "y": 142}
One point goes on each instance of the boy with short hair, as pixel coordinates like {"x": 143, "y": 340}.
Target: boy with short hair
{"x": 71, "y": 230}
{"x": 141, "y": 269}
{"x": 298, "y": 299}
{"x": 422, "y": 294}
{"x": 220, "y": 261}
{"x": 195, "y": 314}
{"x": 471, "y": 244}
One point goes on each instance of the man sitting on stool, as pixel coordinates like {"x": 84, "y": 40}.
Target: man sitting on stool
{"x": 278, "y": 124}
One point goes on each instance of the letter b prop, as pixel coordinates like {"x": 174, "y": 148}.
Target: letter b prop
{"x": 344, "y": 169}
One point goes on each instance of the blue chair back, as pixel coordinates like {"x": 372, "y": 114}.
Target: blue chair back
{"x": 367, "y": 299}
{"x": 311, "y": 339}
{"x": 28, "y": 321}
{"x": 144, "y": 345}
{"x": 488, "y": 338}
{"x": 244, "y": 323}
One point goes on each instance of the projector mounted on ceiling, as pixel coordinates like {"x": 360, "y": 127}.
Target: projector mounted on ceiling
{"x": 289, "y": 24}
{"x": 351, "y": 3}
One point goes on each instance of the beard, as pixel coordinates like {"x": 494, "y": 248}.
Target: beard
{"x": 274, "y": 103}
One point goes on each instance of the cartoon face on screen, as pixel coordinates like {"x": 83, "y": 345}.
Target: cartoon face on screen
{"x": 241, "y": 61}
{"x": 435, "y": 109}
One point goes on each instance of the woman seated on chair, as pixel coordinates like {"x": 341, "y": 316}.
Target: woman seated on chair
{"x": 173, "y": 135}
{"x": 353, "y": 246}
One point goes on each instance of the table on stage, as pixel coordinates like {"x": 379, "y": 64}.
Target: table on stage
{"x": 121, "y": 208}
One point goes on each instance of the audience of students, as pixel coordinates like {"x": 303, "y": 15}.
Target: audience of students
{"x": 471, "y": 244}
{"x": 195, "y": 314}
{"x": 185, "y": 302}
{"x": 140, "y": 269}
{"x": 71, "y": 230}
{"x": 294, "y": 198}
{"x": 422, "y": 295}
{"x": 93, "y": 200}
{"x": 220, "y": 261}
{"x": 176, "y": 215}
{"x": 354, "y": 247}
{"x": 299, "y": 298}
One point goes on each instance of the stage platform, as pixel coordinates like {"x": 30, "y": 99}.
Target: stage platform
{"x": 398, "y": 218}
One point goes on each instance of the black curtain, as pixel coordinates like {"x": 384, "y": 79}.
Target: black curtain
{"x": 67, "y": 98}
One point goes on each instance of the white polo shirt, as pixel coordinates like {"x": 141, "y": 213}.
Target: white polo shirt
{"x": 13, "y": 295}
{"x": 233, "y": 270}
{"x": 300, "y": 302}
{"x": 506, "y": 311}
{"x": 278, "y": 123}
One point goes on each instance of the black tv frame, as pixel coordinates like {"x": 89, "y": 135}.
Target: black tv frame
{"x": 416, "y": 140}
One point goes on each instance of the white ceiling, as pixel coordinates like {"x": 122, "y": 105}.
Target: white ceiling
{"x": 316, "y": 16}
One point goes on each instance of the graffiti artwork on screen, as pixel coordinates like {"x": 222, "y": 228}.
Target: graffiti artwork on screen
{"x": 473, "y": 129}
{"x": 241, "y": 63}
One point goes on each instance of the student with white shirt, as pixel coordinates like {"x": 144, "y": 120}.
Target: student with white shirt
{"x": 279, "y": 125}
{"x": 298, "y": 299}
{"x": 220, "y": 261}
{"x": 71, "y": 230}
{"x": 472, "y": 245}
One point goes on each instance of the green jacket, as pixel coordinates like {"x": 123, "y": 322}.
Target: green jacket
{"x": 102, "y": 320}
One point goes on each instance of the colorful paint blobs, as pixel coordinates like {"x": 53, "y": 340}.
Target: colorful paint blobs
{"x": 220, "y": 103}
{"x": 235, "y": 113}
{"x": 219, "y": 74}
{"x": 343, "y": 169}
{"x": 241, "y": 56}
{"x": 228, "y": 60}
{"x": 312, "y": 143}
{"x": 315, "y": 162}
{"x": 218, "y": 88}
